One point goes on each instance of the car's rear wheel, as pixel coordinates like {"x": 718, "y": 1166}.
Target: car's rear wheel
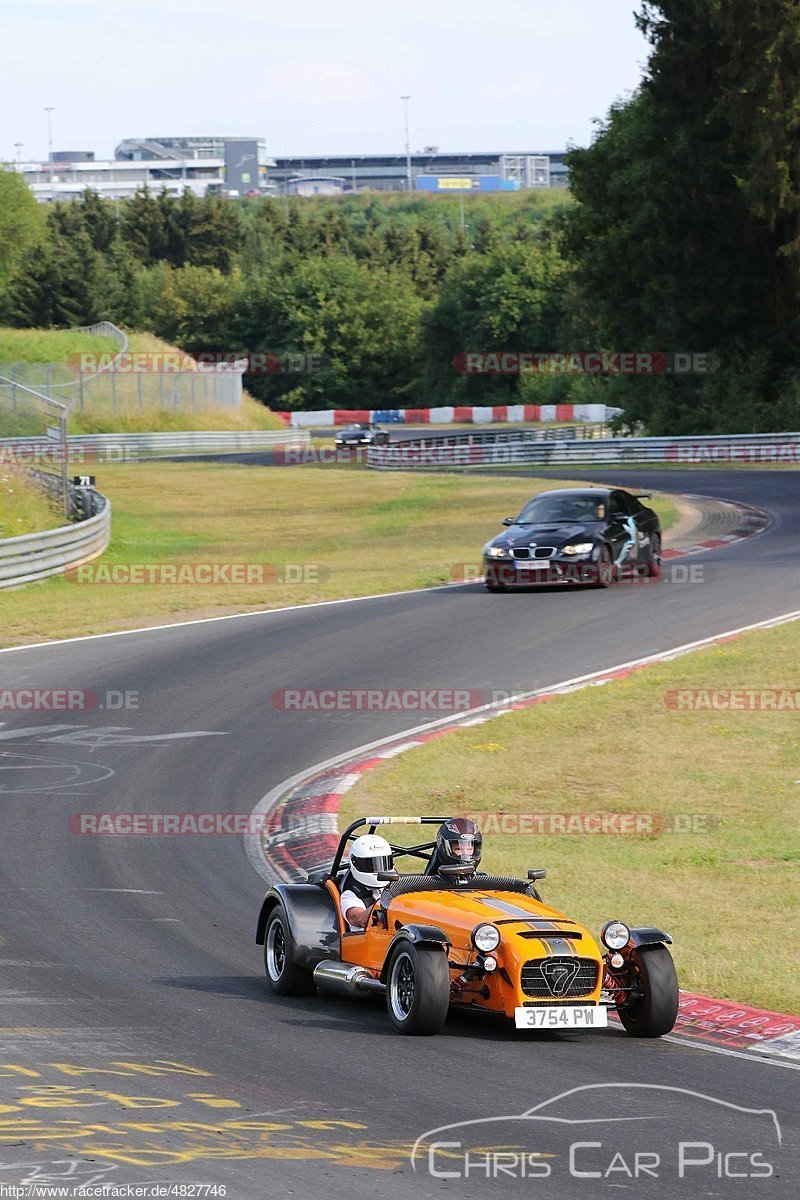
{"x": 654, "y": 563}
{"x": 418, "y": 989}
{"x": 605, "y": 569}
{"x": 655, "y": 1009}
{"x": 284, "y": 977}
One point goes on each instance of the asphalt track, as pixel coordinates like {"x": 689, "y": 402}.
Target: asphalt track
{"x": 128, "y": 965}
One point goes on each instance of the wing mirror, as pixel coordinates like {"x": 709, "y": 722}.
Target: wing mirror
{"x": 537, "y": 873}
{"x": 508, "y": 520}
{"x": 387, "y": 876}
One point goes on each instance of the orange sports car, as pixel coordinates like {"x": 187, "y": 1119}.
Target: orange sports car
{"x": 484, "y": 942}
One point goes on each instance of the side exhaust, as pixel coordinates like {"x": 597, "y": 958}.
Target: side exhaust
{"x": 341, "y": 979}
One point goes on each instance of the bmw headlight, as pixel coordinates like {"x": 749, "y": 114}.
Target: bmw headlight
{"x": 486, "y": 938}
{"x": 578, "y": 548}
{"x": 495, "y": 551}
{"x": 615, "y": 935}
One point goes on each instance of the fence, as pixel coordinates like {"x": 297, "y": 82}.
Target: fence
{"x": 128, "y": 383}
{"x": 489, "y": 449}
{"x": 33, "y": 556}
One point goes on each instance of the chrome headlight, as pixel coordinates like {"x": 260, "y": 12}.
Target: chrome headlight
{"x": 615, "y": 935}
{"x": 578, "y": 548}
{"x": 486, "y": 938}
{"x": 495, "y": 551}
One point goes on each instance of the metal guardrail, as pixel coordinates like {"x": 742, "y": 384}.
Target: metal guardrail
{"x": 129, "y": 447}
{"x": 33, "y": 556}
{"x": 487, "y": 437}
{"x": 484, "y": 451}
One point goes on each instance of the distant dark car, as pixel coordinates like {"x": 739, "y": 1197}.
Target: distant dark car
{"x": 365, "y": 434}
{"x": 585, "y": 536}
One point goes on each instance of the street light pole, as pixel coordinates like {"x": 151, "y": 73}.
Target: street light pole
{"x": 49, "y": 110}
{"x": 18, "y": 146}
{"x": 405, "y": 100}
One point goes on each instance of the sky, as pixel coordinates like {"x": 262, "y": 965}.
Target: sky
{"x": 314, "y": 77}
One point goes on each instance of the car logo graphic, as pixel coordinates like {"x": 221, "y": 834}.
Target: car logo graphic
{"x": 559, "y": 976}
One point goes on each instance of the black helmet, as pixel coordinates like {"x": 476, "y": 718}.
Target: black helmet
{"x": 458, "y": 847}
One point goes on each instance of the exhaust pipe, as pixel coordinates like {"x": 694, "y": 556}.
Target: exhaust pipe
{"x": 342, "y": 979}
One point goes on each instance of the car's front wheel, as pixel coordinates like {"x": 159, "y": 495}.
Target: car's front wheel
{"x": 284, "y": 977}
{"x": 604, "y": 568}
{"x": 654, "y": 1009}
{"x": 418, "y": 989}
{"x": 493, "y": 580}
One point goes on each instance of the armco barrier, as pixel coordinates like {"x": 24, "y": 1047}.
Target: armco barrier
{"x": 35, "y": 556}
{"x": 448, "y": 414}
{"x": 486, "y": 450}
{"x": 131, "y": 446}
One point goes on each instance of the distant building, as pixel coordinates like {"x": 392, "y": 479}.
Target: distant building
{"x": 59, "y": 180}
{"x": 315, "y": 185}
{"x": 389, "y": 172}
{"x": 226, "y": 166}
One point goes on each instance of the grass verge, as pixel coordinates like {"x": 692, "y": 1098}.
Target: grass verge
{"x": 357, "y": 532}
{"x": 727, "y": 890}
{"x": 24, "y": 507}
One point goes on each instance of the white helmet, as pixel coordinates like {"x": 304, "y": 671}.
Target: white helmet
{"x": 369, "y": 855}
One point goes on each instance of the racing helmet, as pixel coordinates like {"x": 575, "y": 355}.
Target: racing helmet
{"x": 370, "y": 854}
{"x": 458, "y": 847}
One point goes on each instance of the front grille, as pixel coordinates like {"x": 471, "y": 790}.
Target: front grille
{"x": 522, "y": 552}
{"x": 559, "y": 977}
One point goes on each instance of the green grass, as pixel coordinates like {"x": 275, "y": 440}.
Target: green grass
{"x": 729, "y": 892}
{"x": 368, "y": 531}
{"x": 50, "y": 345}
{"x": 24, "y": 507}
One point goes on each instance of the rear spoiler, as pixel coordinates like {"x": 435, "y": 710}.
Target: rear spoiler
{"x": 643, "y": 495}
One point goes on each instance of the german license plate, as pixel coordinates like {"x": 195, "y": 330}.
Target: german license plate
{"x": 591, "y": 1017}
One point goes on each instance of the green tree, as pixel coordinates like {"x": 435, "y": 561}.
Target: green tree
{"x": 22, "y": 222}
{"x": 685, "y": 234}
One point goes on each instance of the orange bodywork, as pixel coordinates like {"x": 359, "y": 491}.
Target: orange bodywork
{"x": 531, "y": 933}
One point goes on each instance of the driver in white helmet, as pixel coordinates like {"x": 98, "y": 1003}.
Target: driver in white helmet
{"x": 370, "y": 856}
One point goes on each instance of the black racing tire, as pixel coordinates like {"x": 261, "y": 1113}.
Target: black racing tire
{"x": 492, "y": 581}
{"x": 656, "y": 1011}
{"x": 605, "y": 569}
{"x": 284, "y": 977}
{"x": 418, "y": 989}
{"x": 654, "y": 567}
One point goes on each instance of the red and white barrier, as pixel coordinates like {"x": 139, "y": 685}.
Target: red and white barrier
{"x": 449, "y": 415}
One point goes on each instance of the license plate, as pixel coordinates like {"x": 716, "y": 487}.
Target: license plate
{"x": 529, "y": 564}
{"x": 594, "y": 1016}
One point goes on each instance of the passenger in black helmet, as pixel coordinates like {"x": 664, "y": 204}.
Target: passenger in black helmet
{"x": 458, "y": 850}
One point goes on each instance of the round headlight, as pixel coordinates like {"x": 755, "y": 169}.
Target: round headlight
{"x": 490, "y": 963}
{"x": 486, "y": 938}
{"x": 615, "y": 935}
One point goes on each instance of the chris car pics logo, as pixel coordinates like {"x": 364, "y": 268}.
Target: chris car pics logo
{"x": 632, "y": 1135}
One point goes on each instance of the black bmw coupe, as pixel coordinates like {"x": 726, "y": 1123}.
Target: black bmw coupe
{"x": 585, "y": 536}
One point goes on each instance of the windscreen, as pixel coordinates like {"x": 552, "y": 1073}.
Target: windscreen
{"x": 546, "y": 510}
